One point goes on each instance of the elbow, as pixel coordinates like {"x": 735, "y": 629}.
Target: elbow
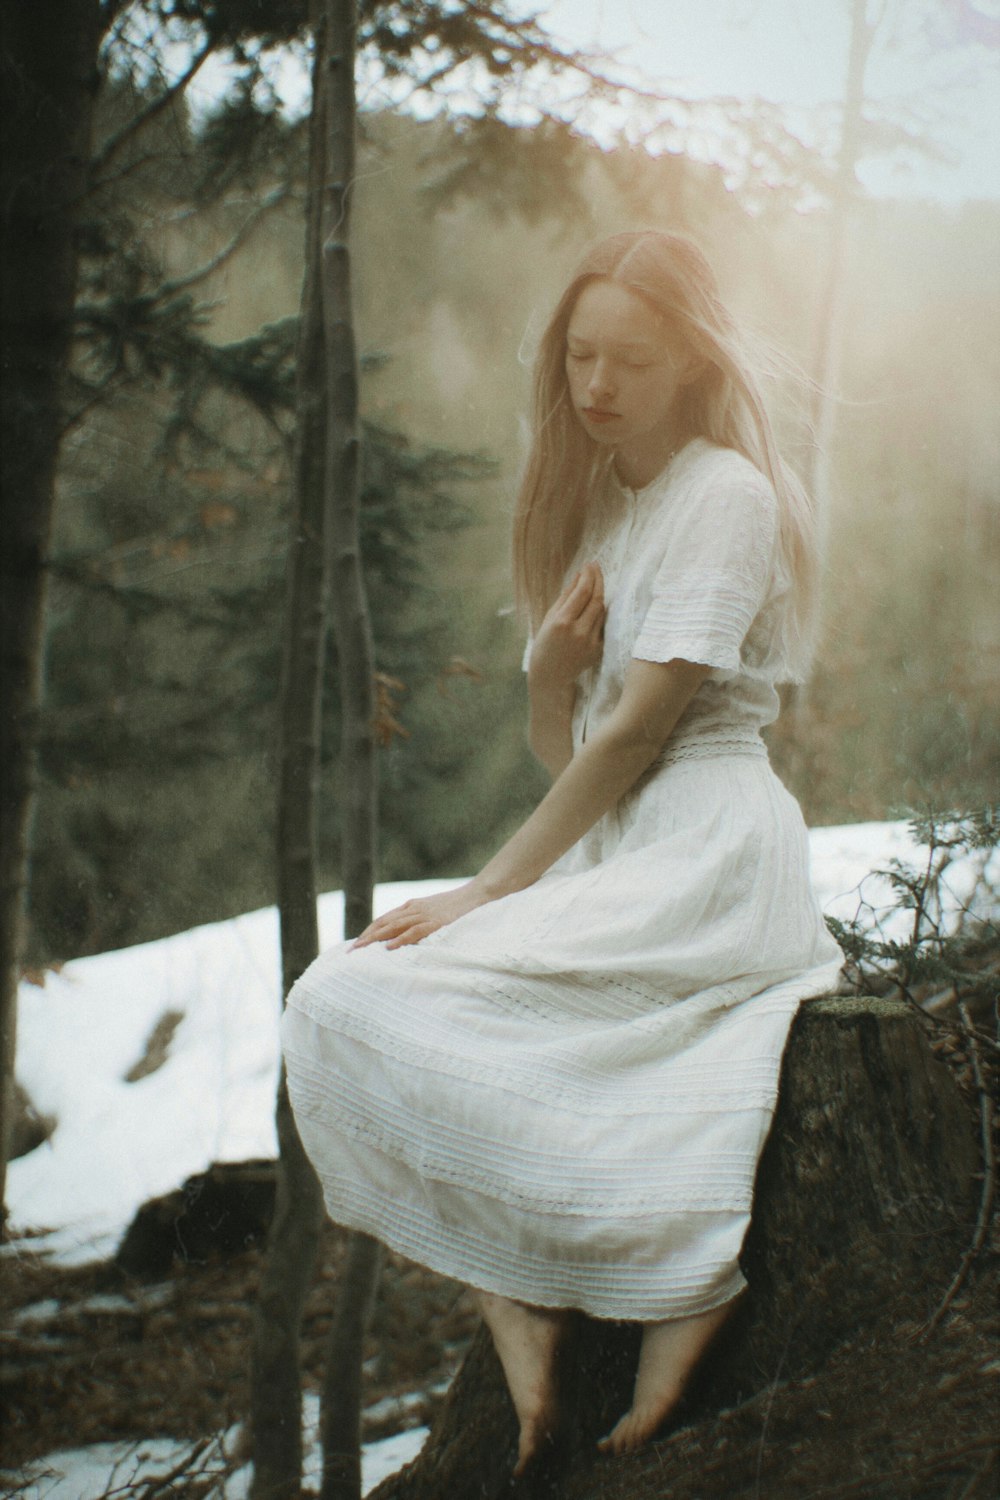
{"x": 630, "y": 746}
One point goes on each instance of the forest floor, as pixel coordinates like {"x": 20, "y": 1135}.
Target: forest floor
{"x": 91, "y": 1356}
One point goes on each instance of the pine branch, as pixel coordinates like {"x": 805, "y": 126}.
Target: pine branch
{"x": 114, "y": 144}
{"x": 183, "y": 283}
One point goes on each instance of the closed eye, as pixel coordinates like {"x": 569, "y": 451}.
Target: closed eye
{"x": 580, "y": 355}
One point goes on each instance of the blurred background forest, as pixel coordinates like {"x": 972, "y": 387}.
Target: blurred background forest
{"x": 156, "y": 802}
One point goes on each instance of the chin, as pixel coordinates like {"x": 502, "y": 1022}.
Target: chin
{"x": 602, "y": 439}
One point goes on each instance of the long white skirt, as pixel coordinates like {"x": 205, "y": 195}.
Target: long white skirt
{"x": 562, "y": 1097}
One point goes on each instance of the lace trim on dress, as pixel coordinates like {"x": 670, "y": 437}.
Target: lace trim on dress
{"x": 600, "y": 1284}
{"x": 707, "y": 745}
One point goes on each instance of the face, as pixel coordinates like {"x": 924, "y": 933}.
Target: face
{"x": 624, "y": 378}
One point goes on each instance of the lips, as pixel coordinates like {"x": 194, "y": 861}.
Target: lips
{"x": 595, "y": 414}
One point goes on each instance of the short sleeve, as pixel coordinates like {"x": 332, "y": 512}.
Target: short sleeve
{"x": 716, "y": 570}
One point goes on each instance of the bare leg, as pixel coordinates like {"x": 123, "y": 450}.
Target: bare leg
{"x": 668, "y": 1355}
{"x": 527, "y": 1342}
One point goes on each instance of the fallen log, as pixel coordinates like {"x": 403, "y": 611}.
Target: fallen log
{"x": 865, "y": 1198}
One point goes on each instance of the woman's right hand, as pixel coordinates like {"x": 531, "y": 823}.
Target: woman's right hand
{"x": 571, "y": 636}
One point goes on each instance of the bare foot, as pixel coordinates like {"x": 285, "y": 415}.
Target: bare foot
{"x": 527, "y": 1342}
{"x": 669, "y": 1353}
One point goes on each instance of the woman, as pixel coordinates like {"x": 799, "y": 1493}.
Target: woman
{"x": 554, "y": 1082}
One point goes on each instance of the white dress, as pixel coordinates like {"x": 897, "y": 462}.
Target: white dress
{"x": 562, "y": 1096}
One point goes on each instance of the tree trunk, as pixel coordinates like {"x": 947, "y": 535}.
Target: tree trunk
{"x": 831, "y": 311}
{"x": 48, "y": 63}
{"x": 357, "y": 783}
{"x": 275, "y": 1397}
{"x": 340, "y": 1419}
{"x": 325, "y": 546}
{"x": 864, "y": 1198}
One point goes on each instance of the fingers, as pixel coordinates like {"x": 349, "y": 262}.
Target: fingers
{"x": 596, "y": 605}
{"x": 581, "y": 588}
{"x": 593, "y": 571}
{"x": 592, "y": 619}
{"x": 587, "y": 586}
{"x": 392, "y": 925}
{"x": 412, "y": 935}
{"x": 569, "y": 587}
{"x": 591, "y": 579}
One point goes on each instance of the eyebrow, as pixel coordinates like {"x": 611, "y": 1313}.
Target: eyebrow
{"x": 643, "y": 345}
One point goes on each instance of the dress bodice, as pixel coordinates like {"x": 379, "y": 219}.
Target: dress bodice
{"x": 692, "y": 570}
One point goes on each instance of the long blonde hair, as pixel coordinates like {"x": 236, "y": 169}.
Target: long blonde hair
{"x": 723, "y": 403}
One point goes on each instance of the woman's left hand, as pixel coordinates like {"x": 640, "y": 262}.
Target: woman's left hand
{"x": 416, "y": 919}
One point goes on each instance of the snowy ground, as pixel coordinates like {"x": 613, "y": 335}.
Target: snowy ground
{"x": 116, "y": 1143}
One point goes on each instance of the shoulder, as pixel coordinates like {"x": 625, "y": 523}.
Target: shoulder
{"x": 720, "y": 493}
{"x": 722, "y": 475}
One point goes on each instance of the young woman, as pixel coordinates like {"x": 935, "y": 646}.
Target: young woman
{"x": 554, "y": 1082}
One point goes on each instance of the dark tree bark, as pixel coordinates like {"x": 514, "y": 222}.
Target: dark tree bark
{"x": 276, "y": 1399}
{"x": 358, "y": 781}
{"x": 325, "y": 548}
{"x": 865, "y": 1197}
{"x": 351, "y": 623}
{"x": 343, "y": 1386}
{"x": 48, "y": 70}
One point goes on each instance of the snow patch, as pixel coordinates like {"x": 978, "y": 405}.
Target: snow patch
{"x": 117, "y": 1144}
{"x": 89, "y": 1473}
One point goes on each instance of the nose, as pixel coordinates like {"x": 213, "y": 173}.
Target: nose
{"x": 600, "y": 387}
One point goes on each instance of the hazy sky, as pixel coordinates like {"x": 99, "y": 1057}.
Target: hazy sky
{"x": 795, "y": 52}
{"x": 790, "y": 52}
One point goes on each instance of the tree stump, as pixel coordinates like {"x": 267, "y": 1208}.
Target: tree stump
{"x": 865, "y": 1197}
{"x": 219, "y": 1212}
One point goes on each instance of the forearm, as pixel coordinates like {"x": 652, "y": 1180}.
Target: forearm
{"x": 595, "y": 778}
{"x": 550, "y": 725}
{"x": 592, "y": 781}
{"x": 653, "y": 698}
{"x": 607, "y": 766}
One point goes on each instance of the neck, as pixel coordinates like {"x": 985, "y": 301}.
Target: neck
{"x": 637, "y": 464}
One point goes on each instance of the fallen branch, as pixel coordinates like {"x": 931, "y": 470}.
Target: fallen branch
{"x": 190, "y": 1468}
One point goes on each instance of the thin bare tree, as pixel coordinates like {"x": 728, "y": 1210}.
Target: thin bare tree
{"x": 358, "y": 781}
{"x": 830, "y": 323}
{"x": 325, "y": 549}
